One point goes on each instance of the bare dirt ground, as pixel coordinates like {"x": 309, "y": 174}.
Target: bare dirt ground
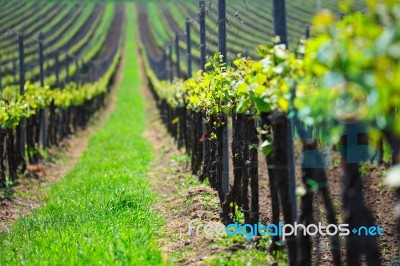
{"x": 32, "y": 190}
{"x": 178, "y": 205}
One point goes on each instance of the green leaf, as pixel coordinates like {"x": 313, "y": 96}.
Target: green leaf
{"x": 266, "y": 147}
{"x": 262, "y": 106}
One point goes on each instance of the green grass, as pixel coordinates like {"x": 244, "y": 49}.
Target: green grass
{"x": 99, "y": 214}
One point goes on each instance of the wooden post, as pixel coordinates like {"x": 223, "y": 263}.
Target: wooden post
{"x": 223, "y": 52}
{"x": 77, "y": 71}
{"x": 21, "y": 63}
{"x": 22, "y": 127}
{"x": 279, "y": 15}
{"x": 203, "y": 40}
{"x": 67, "y": 79}
{"x": 43, "y": 125}
{"x": 287, "y": 182}
{"x": 203, "y": 55}
{"x": 222, "y": 28}
{"x": 162, "y": 68}
{"x": 188, "y": 48}
{"x": 171, "y": 69}
{"x": 41, "y": 59}
{"x": 15, "y": 70}
{"x": 178, "y": 56}
{"x": 57, "y": 69}
{"x": 1, "y": 81}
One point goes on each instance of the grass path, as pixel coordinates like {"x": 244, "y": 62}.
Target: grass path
{"x": 100, "y": 212}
